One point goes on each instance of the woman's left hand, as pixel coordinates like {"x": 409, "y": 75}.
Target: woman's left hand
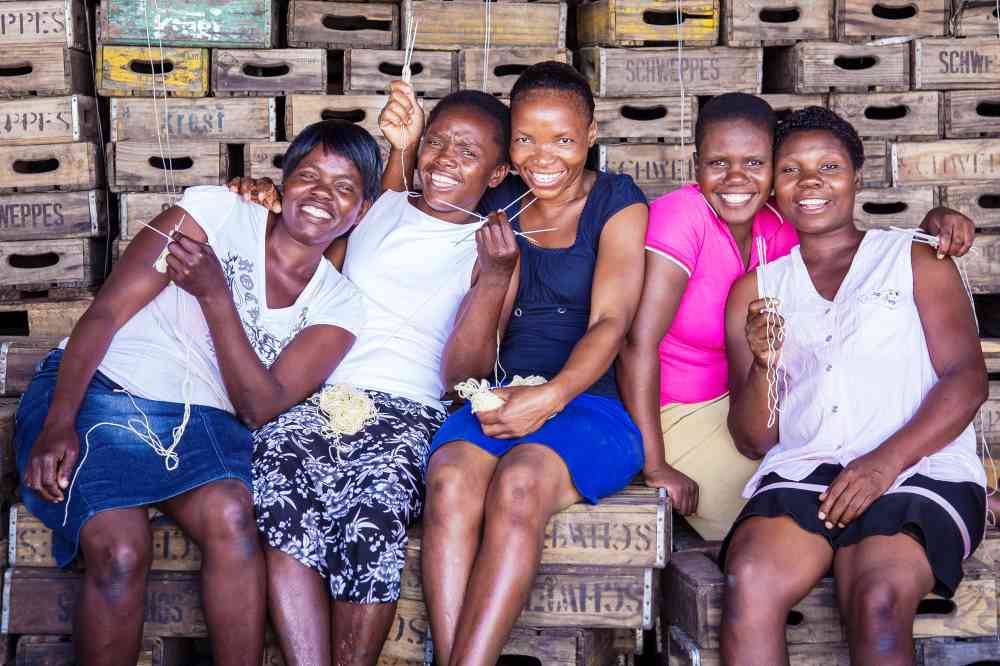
{"x": 863, "y": 481}
{"x": 194, "y": 267}
{"x": 525, "y": 410}
{"x": 955, "y": 231}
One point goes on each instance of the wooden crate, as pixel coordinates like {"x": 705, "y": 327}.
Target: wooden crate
{"x": 53, "y": 215}
{"x": 48, "y": 318}
{"x": 783, "y": 103}
{"x": 976, "y": 20}
{"x": 693, "y": 591}
{"x": 58, "y": 651}
{"x": 775, "y": 22}
{"x": 138, "y": 166}
{"x": 19, "y": 356}
{"x": 273, "y": 657}
{"x": 41, "y": 264}
{"x": 44, "y": 70}
{"x": 44, "y": 22}
{"x": 987, "y": 426}
{"x": 979, "y": 202}
{"x": 504, "y": 66}
{"x": 304, "y": 110}
{"x": 42, "y": 120}
{"x": 912, "y": 115}
{"x": 945, "y": 162}
{"x": 135, "y": 70}
{"x": 656, "y": 168}
{"x": 818, "y": 67}
{"x": 263, "y": 160}
{"x": 877, "y": 170}
{"x": 971, "y": 113}
{"x": 864, "y": 19}
{"x": 948, "y": 64}
{"x": 343, "y": 25}
{"x": 136, "y": 208}
{"x": 234, "y": 23}
{"x": 458, "y": 24}
{"x": 8, "y": 464}
{"x": 682, "y": 651}
{"x": 268, "y": 71}
{"x": 669, "y": 119}
{"x": 433, "y": 73}
{"x": 659, "y": 72}
{"x": 989, "y": 549}
{"x": 893, "y": 206}
{"x": 647, "y": 22}
{"x": 221, "y": 120}
{"x": 982, "y": 267}
{"x": 955, "y": 652}
{"x": 63, "y": 166}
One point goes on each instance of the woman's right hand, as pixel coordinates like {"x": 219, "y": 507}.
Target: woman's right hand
{"x": 497, "y": 248}
{"x": 52, "y": 460}
{"x": 257, "y": 190}
{"x": 681, "y": 488}
{"x": 765, "y": 331}
{"x": 402, "y": 118}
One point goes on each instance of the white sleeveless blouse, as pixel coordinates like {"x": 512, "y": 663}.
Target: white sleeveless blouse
{"x": 857, "y": 367}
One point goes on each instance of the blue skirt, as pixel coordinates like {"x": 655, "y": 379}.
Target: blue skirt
{"x": 593, "y": 435}
{"x": 121, "y": 470}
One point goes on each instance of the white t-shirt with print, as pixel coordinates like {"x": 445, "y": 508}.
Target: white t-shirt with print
{"x": 148, "y": 355}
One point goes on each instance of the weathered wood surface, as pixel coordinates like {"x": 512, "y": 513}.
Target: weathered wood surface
{"x": 637, "y": 22}
{"x": 980, "y": 203}
{"x": 817, "y": 67}
{"x": 682, "y": 651}
{"x": 784, "y": 103}
{"x": 775, "y": 22}
{"x": 656, "y": 168}
{"x": 46, "y": 215}
{"x": 268, "y": 71}
{"x": 947, "y": 64}
{"x": 693, "y": 590}
{"x": 264, "y": 160}
{"x": 658, "y": 72}
{"x": 893, "y": 206}
{"x": 670, "y": 119}
{"x": 233, "y": 23}
{"x": 433, "y": 73}
{"x": 951, "y": 652}
{"x": 215, "y": 119}
{"x": 952, "y": 162}
{"x": 8, "y": 463}
{"x": 971, "y": 113}
{"x": 58, "y": 651}
{"x": 459, "y": 24}
{"x": 304, "y": 110}
{"x": 976, "y": 20}
{"x": 877, "y": 171}
{"x": 49, "y": 318}
{"x": 864, "y": 19}
{"x": 991, "y": 352}
{"x": 63, "y": 262}
{"x": 42, "y": 120}
{"x": 982, "y": 267}
{"x": 343, "y": 25}
{"x": 135, "y": 70}
{"x": 63, "y": 166}
{"x": 48, "y": 22}
{"x": 138, "y": 208}
{"x": 913, "y": 115}
{"x": 19, "y": 356}
{"x": 505, "y": 65}
{"x": 137, "y": 165}
{"x": 44, "y": 70}
{"x": 989, "y": 549}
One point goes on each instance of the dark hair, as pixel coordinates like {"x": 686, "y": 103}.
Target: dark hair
{"x": 734, "y": 106}
{"x": 818, "y": 118}
{"x": 553, "y": 76}
{"x": 485, "y": 105}
{"x": 345, "y": 139}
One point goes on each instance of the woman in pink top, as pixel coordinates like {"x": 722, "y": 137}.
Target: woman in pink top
{"x": 701, "y": 238}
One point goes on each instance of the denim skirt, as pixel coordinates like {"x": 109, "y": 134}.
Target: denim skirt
{"x": 117, "y": 469}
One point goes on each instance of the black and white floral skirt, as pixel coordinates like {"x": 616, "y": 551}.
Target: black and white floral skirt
{"x": 342, "y": 504}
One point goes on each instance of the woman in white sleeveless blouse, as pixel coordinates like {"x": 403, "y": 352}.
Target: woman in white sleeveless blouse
{"x": 871, "y": 469}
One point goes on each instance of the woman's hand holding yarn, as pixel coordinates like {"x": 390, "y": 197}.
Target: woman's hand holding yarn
{"x": 52, "y": 459}
{"x": 194, "y": 267}
{"x": 260, "y": 191}
{"x": 402, "y": 118}
{"x": 683, "y": 490}
{"x": 860, "y": 483}
{"x": 497, "y": 248}
{"x": 955, "y": 231}
{"x": 765, "y": 331}
{"x": 525, "y": 410}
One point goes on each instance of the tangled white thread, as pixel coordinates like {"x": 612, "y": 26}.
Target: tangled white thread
{"x": 777, "y": 378}
{"x": 480, "y": 394}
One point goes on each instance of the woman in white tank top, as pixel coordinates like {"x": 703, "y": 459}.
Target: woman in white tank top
{"x": 870, "y": 467}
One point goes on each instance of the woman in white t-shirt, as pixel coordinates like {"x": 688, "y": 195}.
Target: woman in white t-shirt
{"x": 150, "y": 401}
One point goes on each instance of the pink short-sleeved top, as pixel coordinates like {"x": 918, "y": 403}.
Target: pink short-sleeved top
{"x": 684, "y": 229}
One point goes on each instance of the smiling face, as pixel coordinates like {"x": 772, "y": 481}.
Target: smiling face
{"x": 733, "y": 168}
{"x": 458, "y": 160}
{"x": 323, "y": 197}
{"x": 815, "y": 182}
{"x": 550, "y": 137}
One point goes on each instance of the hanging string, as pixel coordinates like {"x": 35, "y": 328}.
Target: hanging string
{"x": 411, "y": 40}
{"x": 487, "y": 43}
{"x": 679, "y": 19}
{"x": 777, "y": 378}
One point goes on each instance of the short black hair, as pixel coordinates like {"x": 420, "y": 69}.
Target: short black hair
{"x": 814, "y": 118}
{"x": 734, "y": 106}
{"x": 554, "y": 76}
{"x": 485, "y": 105}
{"x": 345, "y": 139}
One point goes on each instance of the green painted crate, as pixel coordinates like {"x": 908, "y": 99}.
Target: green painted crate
{"x": 211, "y": 23}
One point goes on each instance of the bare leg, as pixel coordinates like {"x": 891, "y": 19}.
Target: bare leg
{"x": 531, "y": 483}
{"x": 219, "y": 517}
{"x": 299, "y": 601}
{"x": 880, "y": 581}
{"x": 763, "y": 583}
{"x": 359, "y": 631}
{"x": 118, "y": 549}
{"x": 458, "y": 476}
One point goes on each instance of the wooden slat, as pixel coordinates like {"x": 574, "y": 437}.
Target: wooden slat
{"x": 877, "y": 171}
{"x": 981, "y": 203}
{"x": 234, "y": 23}
{"x": 817, "y": 67}
{"x": 505, "y": 65}
{"x": 459, "y": 24}
{"x": 304, "y": 110}
{"x": 58, "y": 651}
{"x": 222, "y": 120}
{"x": 976, "y": 20}
{"x": 19, "y": 356}
{"x": 982, "y": 267}
{"x": 658, "y": 72}
{"x": 136, "y": 208}
{"x": 43, "y": 120}
{"x": 66, "y": 262}
{"x": 8, "y": 463}
{"x": 263, "y": 160}
{"x": 893, "y": 206}
{"x": 951, "y": 652}
{"x": 784, "y": 103}
{"x": 46, "y": 215}
{"x": 50, "y": 318}
{"x": 43, "y": 22}
{"x": 634, "y": 22}
{"x": 775, "y": 22}
{"x": 138, "y": 165}
{"x": 864, "y": 19}
{"x": 948, "y": 64}
{"x": 64, "y": 166}
{"x": 44, "y": 70}
{"x": 971, "y": 113}
{"x": 343, "y": 25}
{"x": 682, "y": 651}
{"x": 135, "y": 70}
{"x": 268, "y": 71}
{"x": 895, "y": 115}
{"x": 433, "y": 73}
{"x": 964, "y": 161}
{"x": 642, "y": 118}
{"x": 656, "y": 168}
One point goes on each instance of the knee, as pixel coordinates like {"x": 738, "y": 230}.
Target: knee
{"x": 229, "y": 522}
{"x": 515, "y": 498}
{"x": 120, "y": 564}
{"x": 878, "y": 614}
{"x": 754, "y": 585}
{"x": 449, "y": 493}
